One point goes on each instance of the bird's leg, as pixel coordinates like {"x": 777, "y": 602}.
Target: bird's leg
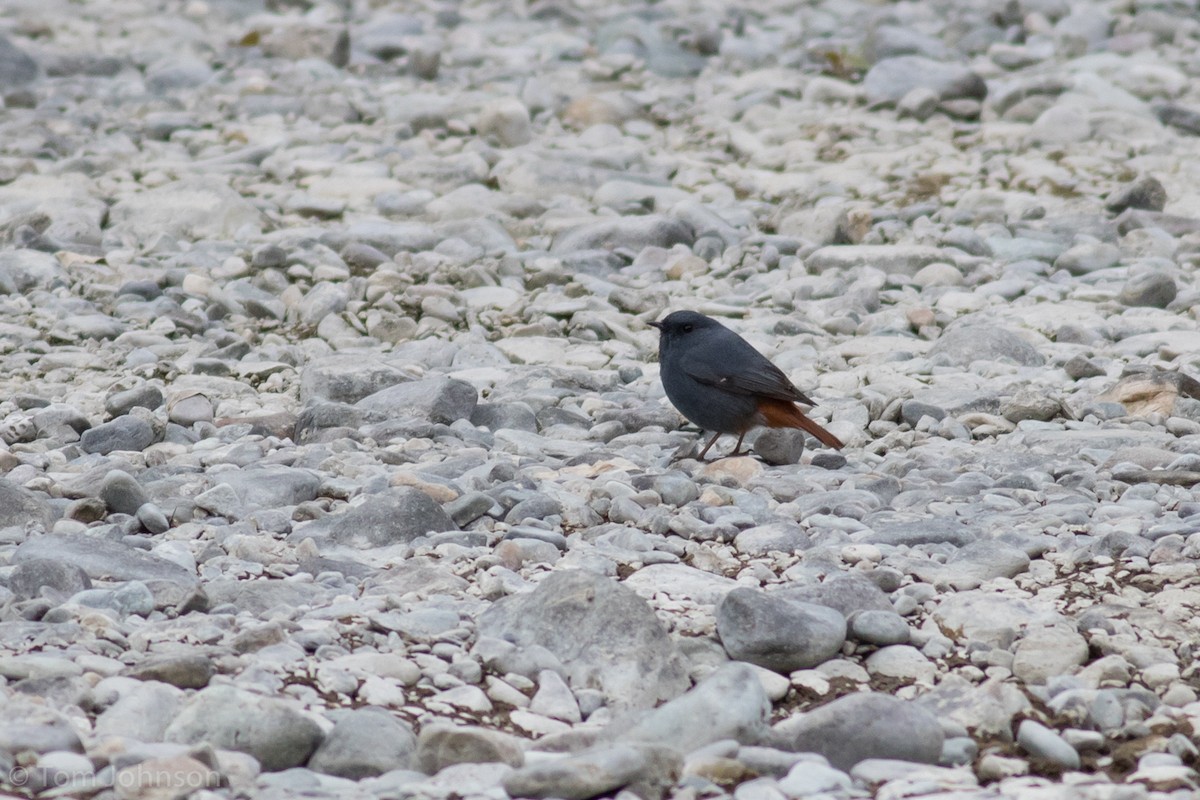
{"x": 737, "y": 448}
{"x": 711, "y": 442}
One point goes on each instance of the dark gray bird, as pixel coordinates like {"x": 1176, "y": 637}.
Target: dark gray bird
{"x": 721, "y": 383}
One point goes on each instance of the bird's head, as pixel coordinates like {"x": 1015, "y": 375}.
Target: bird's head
{"x": 679, "y": 325}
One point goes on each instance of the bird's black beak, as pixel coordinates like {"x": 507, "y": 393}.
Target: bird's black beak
{"x": 655, "y": 325}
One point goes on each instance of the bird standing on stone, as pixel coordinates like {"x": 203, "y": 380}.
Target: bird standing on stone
{"x": 717, "y": 380}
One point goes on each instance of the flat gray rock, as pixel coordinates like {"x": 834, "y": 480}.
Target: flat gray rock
{"x": 275, "y": 486}
{"x": 121, "y": 492}
{"x": 364, "y": 742}
{"x": 193, "y": 208}
{"x": 260, "y": 596}
{"x": 20, "y": 507}
{"x": 348, "y": 378}
{"x": 442, "y": 745}
{"x": 123, "y": 433}
{"x": 846, "y": 593}
{"x": 891, "y": 79}
{"x": 731, "y": 701}
{"x": 394, "y": 517}
{"x": 17, "y": 67}
{"x": 597, "y": 771}
{"x": 103, "y": 559}
{"x": 773, "y": 631}
{"x": 631, "y": 234}
{"x": 605, "y": 635}
{"x": 962, "y": 344}
{"x": 435, "y": 399}
{"x": 269, "y": 729}
{"x": 861, "y": 726}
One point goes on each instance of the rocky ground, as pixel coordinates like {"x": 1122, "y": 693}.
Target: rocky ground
{"x": 336, "y": 463}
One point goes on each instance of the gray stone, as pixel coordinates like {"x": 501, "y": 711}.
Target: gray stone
{"x": 504, "y": 657}
{"x": 606, "y": 636}
{"x": 435, "y": 399}
{"x": 20, "y": 507}
{"x": 1031, "y": 403}
{"x": 190, "y": 408}
{"x": 775, "y": 537}
{"x": 731, "y": 701}
{"x": 779, "y": 446}
{"x": 778, "y": 633}
{"x": 419, "y": 624}
{"x": 912, "y": 411}
{"x": 1147, "y": 192}
{"x": 1151, "y": 289}
{"x": 387, "y": 237}
{"x": 1042, "y": 742}
{"x": 469, "y": 507}
{"x": 142, "y": 713}
{"x": 221, "y": 500}
{"x": 905, "y": 259}
{"x": 931, "y": 531}
{"x": 861, "y": 726}
{"x": 398, "y": 516}
{"x": 177, "y": 71}
{"x": 323, "y": 301}
{"x": 982, "y": 561}
{"x": 35, "y": 577}
{"x": 814, "y": 780}
{"x": 23, "y": 270}
{"x": 152, "y": 519}
{"x": 646, "y": 770}
{"x": 121, "y": 492}
{"x": 131, "y": 598}
{"x": 188, "y": 209}
{"x": 275, "y": 486}
{"x": 496, "y": 416}
{"x": 1043, "y": 653}
{"x": 553, "y": 697}
{"x": 144, "y": 396}
{"x": 102, "y": 559}
{"x": 1088, "y": 257}
{"x": 848, "y": 593}
{"x": 1080, "y": 367}
{"x": 123, "y": 433}
{"x": 962, "y": 344}
{"x": 1060, "y": 125}
{"x": 881, "y": 628}
{"x": 441, "y": 745}
{"x": 260, "y": 597}
{"x": 889, "y": 80}
{"x": 364, "y": 742}
{"x": 348, "y": 378}
{"x": 56, "y": 735}
{"x": 506, "y": 121}
{"x": 632, "y": 234}
{"x": 17, "y": 68}
{"x": 182, "y": 670}
{"x": 269, "y": 729}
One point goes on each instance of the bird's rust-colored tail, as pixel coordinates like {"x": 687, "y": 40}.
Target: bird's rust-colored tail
{"x": 782, "y": 414}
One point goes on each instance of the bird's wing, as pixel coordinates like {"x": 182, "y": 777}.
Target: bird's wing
{"x": 743, "y": 371}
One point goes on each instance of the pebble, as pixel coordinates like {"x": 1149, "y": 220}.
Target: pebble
{"x": 1041, "y": 742}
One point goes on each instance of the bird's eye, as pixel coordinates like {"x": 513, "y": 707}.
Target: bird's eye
{"x": 688, "y": 328}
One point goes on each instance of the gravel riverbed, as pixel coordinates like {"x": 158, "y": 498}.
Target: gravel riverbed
{"x": 334, "y": 461}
